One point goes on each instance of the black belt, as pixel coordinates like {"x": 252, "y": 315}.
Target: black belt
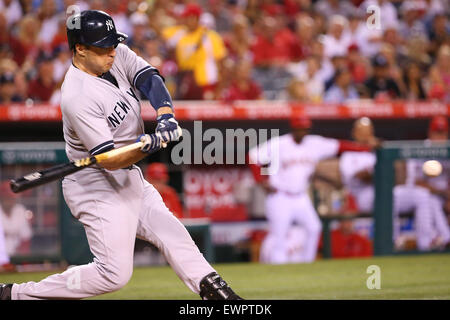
{"x": 129, "y": 167}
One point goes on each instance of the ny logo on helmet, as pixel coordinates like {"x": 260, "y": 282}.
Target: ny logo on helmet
{"x": 109, "y": 25}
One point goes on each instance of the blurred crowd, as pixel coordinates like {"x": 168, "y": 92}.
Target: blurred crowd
{"x": 300, "y": 50}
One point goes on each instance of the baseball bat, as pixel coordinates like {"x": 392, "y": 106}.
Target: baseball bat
{"x": 56, "y": 172}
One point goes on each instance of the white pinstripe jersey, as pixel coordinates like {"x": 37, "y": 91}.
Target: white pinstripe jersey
{"x": 98, "y": 115}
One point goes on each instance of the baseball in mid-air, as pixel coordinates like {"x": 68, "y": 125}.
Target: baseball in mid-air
{"x": 432, "y": 168}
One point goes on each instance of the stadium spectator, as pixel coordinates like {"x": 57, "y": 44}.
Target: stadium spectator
{"x": 199, "y": 54}
{"x": 411, "y": 25}
{"x": 41, "y": 88}
{"x": 358, "y": 65}
{"x": 346, "y": 242}
{"x": 381, "y": 86}
{"x": 8, "y": 92}
{"x": 394, "y": 71}
{"x": 392, "y": 37}
{"x": 416, "y": 50}
{"x": 273, "y": 44}
{"x": 242, "y": 86}
{"x": 15, "y": 221}
{"x": 305, "y": 32}
{"x": 439, "y": 34}
{"x": 49, "y": 21}
{"x": 117, "y": 9}
{"x": 25, "y": 46}
{"x": 337, "y": 39}
{"x": 439, "y": 76}
{"x": 343, "y": 89}
{"x": 296, "y": 91}
{"x": 238, "y": 41}
{"x": 61, "y": 62}
{"x": 414, "y": 89}
{"x": 12, "y": 10}
{"x": 60, "y": 37}
{"x": 157, "y": 174}
{"x": 28, "y": 7}
{"x": 222, "y": 14}
{"x": 329, "y": 8}
{"x": 339, "y": 62}
{"x": 141, "y": 30}
{"x": 315, "y": 85}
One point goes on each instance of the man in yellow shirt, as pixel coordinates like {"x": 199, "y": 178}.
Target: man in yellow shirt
{"x": 199, "y": 53}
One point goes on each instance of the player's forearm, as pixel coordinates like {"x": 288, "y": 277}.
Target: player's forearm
{"x": 155, "y": 90}
{"x": 123, "y": 160}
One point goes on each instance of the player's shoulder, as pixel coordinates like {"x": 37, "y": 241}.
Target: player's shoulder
{"x": 77, "y": 90}
{"x": 123, "y": 51}
{"x": 122, "y": 48}
{"x": 314, "y": 138}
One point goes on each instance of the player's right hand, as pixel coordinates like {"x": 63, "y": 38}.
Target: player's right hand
{"x": 152, "y": 142}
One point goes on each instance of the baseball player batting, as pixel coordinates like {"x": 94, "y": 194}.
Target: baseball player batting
{"x": 101, "y": 110}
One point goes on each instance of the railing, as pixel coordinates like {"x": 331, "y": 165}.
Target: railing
{"x": 253, "y": 110}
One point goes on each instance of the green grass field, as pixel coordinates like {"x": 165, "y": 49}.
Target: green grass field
{"x": 402, "y": 277}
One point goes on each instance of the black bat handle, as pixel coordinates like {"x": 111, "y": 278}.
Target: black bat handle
{"x": 50, "y": 174}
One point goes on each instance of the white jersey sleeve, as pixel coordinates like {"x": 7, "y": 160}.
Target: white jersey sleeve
{"x": 323, "y": 147}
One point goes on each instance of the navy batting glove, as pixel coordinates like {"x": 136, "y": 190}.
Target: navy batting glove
{"x": 168, "y": 128}
{"x": 152, "y": 142}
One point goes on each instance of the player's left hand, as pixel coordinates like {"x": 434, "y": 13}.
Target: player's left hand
{"x": 152, "y": 142}
{"x": 168, "y": 128}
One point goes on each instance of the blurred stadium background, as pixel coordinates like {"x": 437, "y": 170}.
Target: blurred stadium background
{"x": 267, "y": 60}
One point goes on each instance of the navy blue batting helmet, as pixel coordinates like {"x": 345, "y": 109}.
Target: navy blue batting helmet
{"x": 95, "y": 28}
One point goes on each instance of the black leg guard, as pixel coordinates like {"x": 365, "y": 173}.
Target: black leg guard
{"x": 213, "y": 287}
{"x": 5, "y": 291}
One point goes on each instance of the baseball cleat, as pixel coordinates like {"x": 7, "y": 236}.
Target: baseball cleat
{"x": 213, "y": 287}
{"x": 5, "y": 291}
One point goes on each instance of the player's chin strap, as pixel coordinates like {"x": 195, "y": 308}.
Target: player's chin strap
{"x": 213, "y": 287}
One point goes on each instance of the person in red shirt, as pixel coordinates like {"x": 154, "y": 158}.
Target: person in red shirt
{"x": 305, "y": 32}
{"x": 158, "y": 176}
{"x": 273, "y": 44}
{"x": 41, "y": 88}
{"x": 346, "y": 242}
{"x": 242, "y": 86}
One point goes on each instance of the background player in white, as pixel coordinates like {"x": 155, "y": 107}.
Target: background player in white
{"x": 101, "y": 111}
{"x": 293, "y": 158}
{"x": 4, "y": 257}
{"x": 357, "y": 170}
{"x": 437, "y": 185}
{"x": 15, "y": 221}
